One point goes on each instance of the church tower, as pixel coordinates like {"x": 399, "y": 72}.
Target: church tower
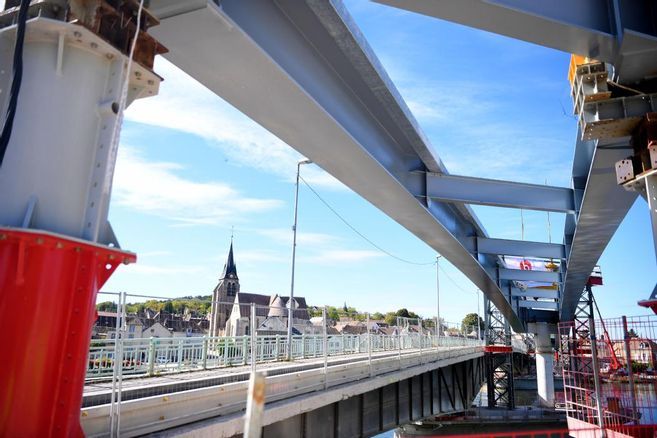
{"x": 227, "y": 288}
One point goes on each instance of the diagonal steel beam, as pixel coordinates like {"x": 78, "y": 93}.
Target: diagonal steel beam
{"x": 498, "y": 193}
{"x": 602, "y": 207}
{"x": 303, "y": 71}
{"x": 585, "y": 27}
{"x": 621, "y": 32}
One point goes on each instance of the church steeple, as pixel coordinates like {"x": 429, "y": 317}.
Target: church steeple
{"x": 224, "y": 294}
{"x": 230, "y": 268}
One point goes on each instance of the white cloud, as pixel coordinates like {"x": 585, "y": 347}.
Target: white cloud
{"x": 138, "y": 268}
{"x": 155, "y": 254}
{"x": 155, "y": 188}
{"x": 284, "y": 235}
{"x": 185, "y": 105}
{"x": 342, "y": 255}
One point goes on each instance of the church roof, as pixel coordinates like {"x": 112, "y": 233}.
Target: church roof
{"x": 230, "y": 268}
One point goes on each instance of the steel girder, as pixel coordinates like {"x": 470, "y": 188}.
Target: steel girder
{"x": 304, "y": 72}
{"x": 497, "y": 193}
{"x": 621, "y": 32}
{"x": 602, "y": 205}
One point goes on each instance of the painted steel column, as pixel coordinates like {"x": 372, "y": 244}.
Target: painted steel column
{"x": 651, "y": 197}
{"x": 56, "y": 181}
{"x": 544, "y": 365}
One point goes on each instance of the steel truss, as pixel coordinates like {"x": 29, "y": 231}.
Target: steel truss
{"x": 575, "y": 352}
{"x": 499, "y": 365}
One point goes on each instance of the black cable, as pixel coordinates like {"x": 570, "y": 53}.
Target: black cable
{"x": 362, "y": 236}
{"x": 16, "y": 79}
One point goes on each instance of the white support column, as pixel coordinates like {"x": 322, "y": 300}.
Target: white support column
{"x": 57, "y": 172}
{"x": 544, "y": 365}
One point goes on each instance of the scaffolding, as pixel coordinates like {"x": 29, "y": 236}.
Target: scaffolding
{"x": 609, "y": 376}
{"x": 499, "y": 359}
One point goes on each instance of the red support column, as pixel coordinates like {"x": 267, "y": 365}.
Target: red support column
{"x": 48, "y": 287}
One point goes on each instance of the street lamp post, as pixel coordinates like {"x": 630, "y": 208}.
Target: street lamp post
{"x": 290, "y": 305}
{"x": 438, "y": 299}
{"x": 478, "y": 320}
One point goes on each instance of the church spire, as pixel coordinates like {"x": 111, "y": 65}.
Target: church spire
{"x": 230, "y": 269}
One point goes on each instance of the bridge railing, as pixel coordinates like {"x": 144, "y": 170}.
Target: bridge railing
{"x": 155, "y": 356}
{"x": 144, "y": 335}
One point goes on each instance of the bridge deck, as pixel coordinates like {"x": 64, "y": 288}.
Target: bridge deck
{"x": 226, "y": 401}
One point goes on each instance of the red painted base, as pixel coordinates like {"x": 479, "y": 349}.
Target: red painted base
{"x": 497, "y": 349}
{"x": 48, "y": 285}
{"x": 651, "y": 304}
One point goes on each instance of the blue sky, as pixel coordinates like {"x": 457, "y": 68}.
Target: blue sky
{"x": 191, "y": 167}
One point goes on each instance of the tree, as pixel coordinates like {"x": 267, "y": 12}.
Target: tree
{"x": 377, "y": 315}
{"x": 390, "y": 318}
{"x": 469, "y": 322}
{"x": 106, "y": 306}
{"x": 333, "y": 313}
{"x": 632, "y": 334}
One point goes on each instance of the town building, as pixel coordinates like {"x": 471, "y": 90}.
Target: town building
{"x": 231, "y": 309}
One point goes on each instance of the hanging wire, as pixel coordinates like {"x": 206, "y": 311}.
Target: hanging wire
{"x": 452, "y": 280}
{"x": 362, "y": 236}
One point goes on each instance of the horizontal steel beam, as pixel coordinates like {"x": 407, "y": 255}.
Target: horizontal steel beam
{"x": 497, "y": 193}
{"x": 539, "y": 276}
{"x": 303, "y": 71}
{"x": 543, "y": 305}
{"x": 520, "y": 248}
{"x": 535, "y": 293}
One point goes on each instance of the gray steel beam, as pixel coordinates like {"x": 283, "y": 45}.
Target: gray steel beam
{"x": 602, "y": 207}
{"x": 621, "y": 32}
{"x": 520, "y": 275}
{"x": 497, "y": 193}
{"x": 303, "y": 71}
{"x": 520, "y": 248}
{"x": 543, "y": 305}
{"x": 535, "y": 293}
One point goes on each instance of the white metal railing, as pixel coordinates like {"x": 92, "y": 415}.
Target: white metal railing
{"x": 154, "y": 356}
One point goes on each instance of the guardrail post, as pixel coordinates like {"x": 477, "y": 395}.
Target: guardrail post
{"x": 180, "y": 354}
{"x": 369, "y": 344}
{"x": 276, "y": 352}
{"x": 303, "y": 346}
{"x": 204, "y": 353}
{"x": 399, "y": 348}
{"x": 324, "y": 323}
{"x": 245, "y": 347}
{"x": 151, "y": 357}
{"x": 343, "y": 346}
{"x": 421, "y": 335}
{"x": 225, "y": 350}
{"x": 254, "y": 345}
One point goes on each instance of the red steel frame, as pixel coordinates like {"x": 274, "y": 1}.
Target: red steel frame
{"x": 49, "y": 284}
